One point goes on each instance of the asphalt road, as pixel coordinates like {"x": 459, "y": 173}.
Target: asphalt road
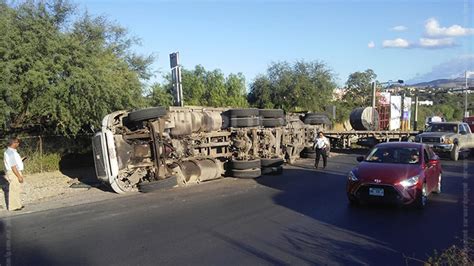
{"x": 300, "y": 217}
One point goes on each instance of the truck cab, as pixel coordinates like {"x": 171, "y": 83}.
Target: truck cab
{"x": 454, "y": 138}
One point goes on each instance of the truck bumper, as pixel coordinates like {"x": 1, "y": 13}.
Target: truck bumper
{"x": 442, "y": 147}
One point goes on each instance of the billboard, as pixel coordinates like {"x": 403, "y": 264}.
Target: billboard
{"x": 395, "y": 112}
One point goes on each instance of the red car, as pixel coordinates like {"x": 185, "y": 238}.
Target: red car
{"x": 395, "y": 172}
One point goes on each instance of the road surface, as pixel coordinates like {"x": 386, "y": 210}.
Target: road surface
{"x": 300, "y": 217}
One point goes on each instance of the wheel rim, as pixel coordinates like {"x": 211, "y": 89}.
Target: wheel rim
{"x": 439, "y": 183}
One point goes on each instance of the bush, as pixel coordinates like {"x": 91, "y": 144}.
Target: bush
{"x": 46, "y": 163}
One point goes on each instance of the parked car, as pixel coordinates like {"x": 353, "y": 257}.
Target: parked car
{"x": 454, "y": 138}
{"x": 395, "y": 172}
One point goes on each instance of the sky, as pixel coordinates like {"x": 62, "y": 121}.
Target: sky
{"x": 413, "y": 40}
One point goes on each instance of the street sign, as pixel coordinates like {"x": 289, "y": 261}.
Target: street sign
{"x": 174, "y": 59}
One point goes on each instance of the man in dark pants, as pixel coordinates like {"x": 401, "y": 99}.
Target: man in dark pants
{"x": 321, "y": 145}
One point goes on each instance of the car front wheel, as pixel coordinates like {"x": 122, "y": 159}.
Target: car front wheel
{"x": 422, "y": 197}
{"x": 438, "y": 187}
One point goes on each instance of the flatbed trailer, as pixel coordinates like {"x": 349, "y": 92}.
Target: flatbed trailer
{"x": 344, "y": 139}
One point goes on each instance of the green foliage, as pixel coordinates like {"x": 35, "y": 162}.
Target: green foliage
{"x": 206, "y": 88}
{"x": 42, "y": 163}
{"x": 64, "y": 76}
{"x": 159, "y": 96}
{"x": 358, "y": 88}
{"x": 303, "y": 86}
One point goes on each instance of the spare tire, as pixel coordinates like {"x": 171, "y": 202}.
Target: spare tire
{"x": 148, "y": 113}
{"x": 243, "y": 112}
{"x": 244, "y": 122}
{"x": 273, "y": 162}
{"x": 272, "y": 122}
{"x": 242, "y": 165}
{"x": 246, "y": 174}
{"x": 271, "y": 113}
{"x": 277, "y": 170}
{"x": 316, "y": 119}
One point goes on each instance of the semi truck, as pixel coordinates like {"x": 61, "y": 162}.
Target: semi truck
{"x": 156, "y": 147}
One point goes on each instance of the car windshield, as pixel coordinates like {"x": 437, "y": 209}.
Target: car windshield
{"x": 443, "y": 128}
{"x": 394, "y": 155}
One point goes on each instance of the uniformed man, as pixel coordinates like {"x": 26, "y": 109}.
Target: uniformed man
{"x": 321, "y": 145}
{"x": 13, "y": 167}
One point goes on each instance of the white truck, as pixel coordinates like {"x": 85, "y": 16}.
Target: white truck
{"x": 164, "y": 147}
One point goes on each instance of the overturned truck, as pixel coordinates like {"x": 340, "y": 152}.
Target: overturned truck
{"x": 164, "y": 147}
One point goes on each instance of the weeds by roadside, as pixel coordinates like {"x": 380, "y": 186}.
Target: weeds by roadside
{"x": 453, "y": 255}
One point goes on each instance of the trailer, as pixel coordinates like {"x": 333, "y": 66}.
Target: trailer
{"x": 369, "y": 138}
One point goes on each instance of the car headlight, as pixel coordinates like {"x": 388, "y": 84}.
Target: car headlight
{"x": 352, "y": 177}
{"x": 448, "y": 141}
{"x": 410, "y": 181}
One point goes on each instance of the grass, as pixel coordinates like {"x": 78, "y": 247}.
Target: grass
{"x": 453, "y": 255}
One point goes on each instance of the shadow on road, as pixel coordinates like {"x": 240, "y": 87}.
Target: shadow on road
{"x": 11, "y": 253}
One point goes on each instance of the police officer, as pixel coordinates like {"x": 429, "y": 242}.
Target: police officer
{"x": 321, "y": 145}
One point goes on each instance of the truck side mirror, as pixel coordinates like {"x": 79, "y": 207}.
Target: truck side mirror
{"x": 463, "y": 132}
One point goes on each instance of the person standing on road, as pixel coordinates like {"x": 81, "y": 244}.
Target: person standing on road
{"x": 321, "y": 145}
{"x": 13, "y": 167}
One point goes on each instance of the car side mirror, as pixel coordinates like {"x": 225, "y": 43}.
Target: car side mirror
{"x": 360, "y": 158}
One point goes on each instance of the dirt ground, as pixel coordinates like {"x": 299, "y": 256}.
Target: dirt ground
{"x": 54, "y": 186}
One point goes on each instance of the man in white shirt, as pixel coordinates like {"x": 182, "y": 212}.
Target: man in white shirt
{"x": 13, "y": 164}
{"x": 321, "y": 145}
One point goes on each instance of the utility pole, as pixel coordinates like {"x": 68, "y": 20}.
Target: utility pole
{"x": 466, "y": 75}
{"x": 415, "y": 122}
{"x": 374, "y": 105}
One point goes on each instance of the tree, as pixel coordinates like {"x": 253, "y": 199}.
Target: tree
{"x": 64, "y": 76}
{"x": 303, "y": 86}
{"x": 358, "y": 88}
{"x": 210, "y": 88}
{"x": 160, "y": 96}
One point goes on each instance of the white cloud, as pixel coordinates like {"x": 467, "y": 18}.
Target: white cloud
{"x": 433, "y": 29}
{"x": 396, "y": 43}
{"x": 371, "y": 45}
{"x": 436, "y": 43}
{"x": 399, "y": 28}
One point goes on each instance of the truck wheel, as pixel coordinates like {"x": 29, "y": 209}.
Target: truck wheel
{"x": 272, "y": 122}
{"x": 316, "y": 119}
{"x": 455, "y": 153}
{"x": 438, "y": 186}
{"x": 271, "y": 113}
{"x": 244, "y": 122}
{"x": 422, "y": 197}
{"x": 273, "y": 162}
{"x": 243, "y": 112}
{"x": 243, "y": 165}
{"x": 246, "y": 174}
{"x": 145, "y": 114}
{"x": 169, "y": 182}
{"x": 277, "y": 170}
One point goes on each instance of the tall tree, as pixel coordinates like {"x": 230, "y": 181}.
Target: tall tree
{"x": 303, "y": 86}
{"x": 211, "y": 88}
{"x": 358, "y": 88}
{"x": 64, "y": 71}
